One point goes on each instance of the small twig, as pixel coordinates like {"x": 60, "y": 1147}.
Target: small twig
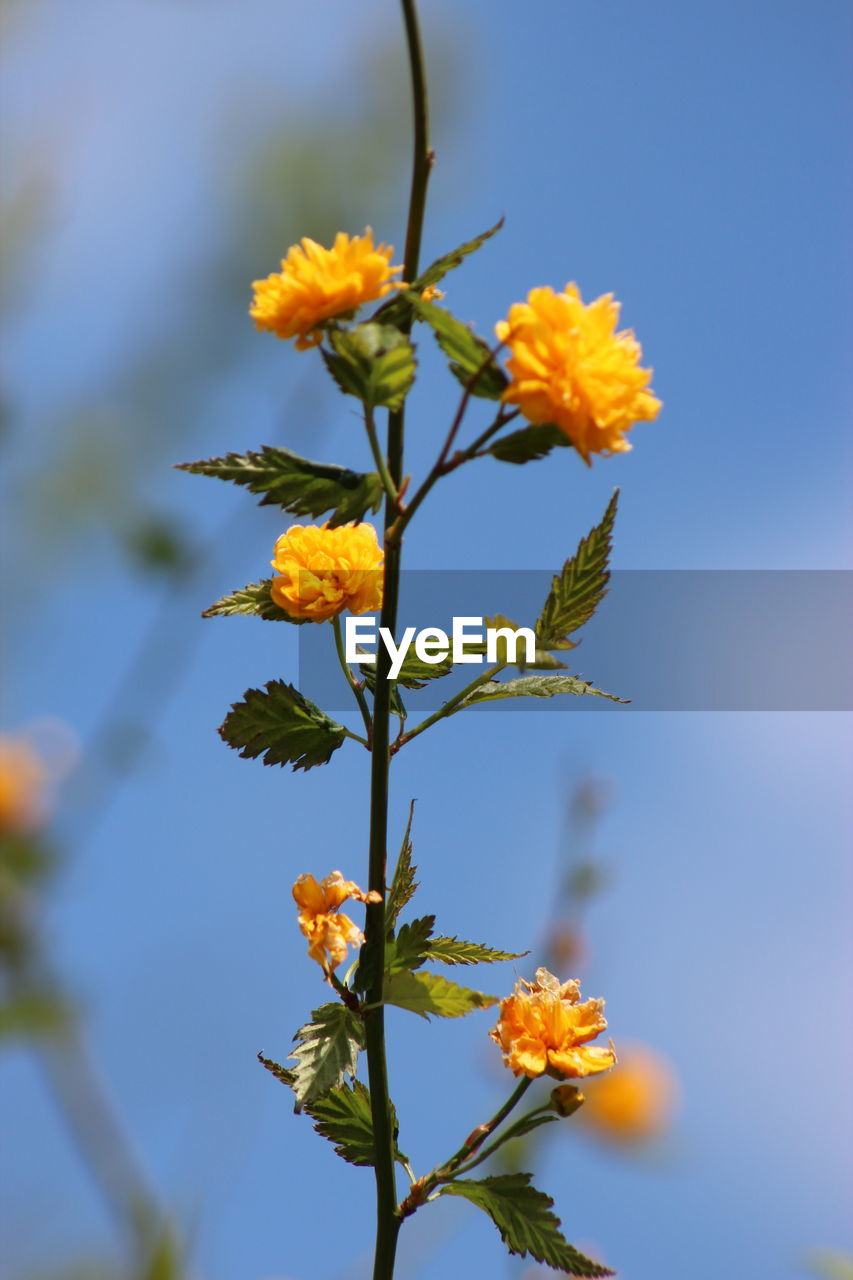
{"x": 355, "y": 685}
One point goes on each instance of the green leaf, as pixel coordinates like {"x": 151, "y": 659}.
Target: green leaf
{"x": 253, "y": 600}
{"x": 529, "y": 444}
{"x": 414, "y": 674}
{"x": 343, "y": 1116}
{"x": 577, "y": 591}
{"x": 301, "y": 487}
{"x": 437, "y": 270}
{"x": 427, "y": 993}
{"x": 411, "y": 946}
{"x": 455, "y": 951}
{"x": 373, "y": 362}
{"x": 284, "y": 1074}
{"x": 327, "y": 1050}
{"x": 395, "y": 702}
{"x": 403, "y": 885}
{"x": 278, "y": 723}
{"x": 535, "y": 687}
{"x": 471, "y": 360}
{"x": 398, "y": 308}
{"x": 523, "y": 1217}
{"x": 542, "y": 659}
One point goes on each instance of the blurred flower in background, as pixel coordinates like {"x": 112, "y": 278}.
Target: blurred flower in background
{"x": 633, "y": 1103}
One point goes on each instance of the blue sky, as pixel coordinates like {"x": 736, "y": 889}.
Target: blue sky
{"x": 691, "y": 159}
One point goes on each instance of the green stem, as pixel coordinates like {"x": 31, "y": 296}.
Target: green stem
{"x": 379, "y": 458}
{"x": 460, "y": 1161}
{"x": 479, "y": 1136}
{"x": 354, "y": 684}
{"x": 484, "y": 1153}
{"x": 450, "y": 706}
{"x": 444, "y": 465}
{"x": 387, "y": 1214}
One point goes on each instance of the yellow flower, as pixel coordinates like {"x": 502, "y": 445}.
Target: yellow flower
{"x": 23, "y": 781}
{"x": 544, "y": 1028}
{"x": 569, "y": 366}
{"x": 324, "y": 571}
{"x": 328, "y": 932}
{"x": 432, "y": 293}
{"x": 635, "y": 1102}
{"x": 316, "y": 284}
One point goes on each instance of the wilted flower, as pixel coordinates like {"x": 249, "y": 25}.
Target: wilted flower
{"x": 324, "y": 571}
{"x": 317, "y": 284}
{"x": 431, "y": 293}
{"x": 544, "y": 1029}
{"x": 569, "y": 366}
{"x": 328, "y": 932}
{"x": 23, "y": 782}
{"x": 635, "y": 1102}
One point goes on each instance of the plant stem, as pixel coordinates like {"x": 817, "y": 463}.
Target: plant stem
{"x": 379, "y": 458}
{"x": 387, "y": 1215}
{"x": 358, "y": 691}
{"x": 450, "y": 706}
{"x": 460, "y": 1161}
{"x": 444, "y": 465}
{"x": 469, "y": 1147}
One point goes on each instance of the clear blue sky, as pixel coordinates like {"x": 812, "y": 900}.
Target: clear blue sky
{"x": 691, "y": 158}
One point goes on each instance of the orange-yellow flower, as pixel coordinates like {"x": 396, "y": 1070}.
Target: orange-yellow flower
{"x": 569, "y": 366}
{"x": 432, "y": 293}
{"x": 23, "y": 781}
{"x": 324, "y": 571}
{"x": 317, "y": 284}
{"x": 544, "y": 1029}
{"x": 328, "y": 932}
{"x": 635, "y": 1102}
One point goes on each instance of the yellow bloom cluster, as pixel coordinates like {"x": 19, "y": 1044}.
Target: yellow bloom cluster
{"x": 23, "y": 781}
{"x": 323, "y": 571}
{"x": 569, "y": 366}
{"x": 317, "y": 284}
{"x": 544, "y": 1029}
{"x": 635, "y": 1101}
{"x": 328, "y": 932}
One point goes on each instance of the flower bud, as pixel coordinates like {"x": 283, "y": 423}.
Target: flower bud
{"x": 566, "y": 1099}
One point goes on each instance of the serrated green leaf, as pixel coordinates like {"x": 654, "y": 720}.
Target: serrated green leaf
{"x": 437, "y": 270}
{"x": 278, "y": 723}
{"x": 373, "y": 362}
{"x": 427, "y": 993}
{"x": 253, "y": 600}
{"x": 529, "y": 444}
{"x": 398, "y": 308}
{"x": 395, "y": 701}
{"x": 535, "y": 687}
{"x": 471, "y": 360}
{"x": 343, "y": 1116}
{"x": 327, "y": 1050}
{"x": 542, "y": 659}
{"x": 415, "y": 674}
{"x": 455, "y": 951}
{"x": 284, "y": 1074}
{"x": 579, "y": 588}
{"x": 523, "y": 1217}
{"x": 411, "y": 946}
{"x": 403, "y": 885}
{"x": 297, "y": 485}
